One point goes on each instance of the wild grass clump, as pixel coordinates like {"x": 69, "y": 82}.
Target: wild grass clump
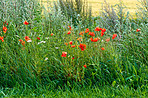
{"x": 76, "y": 10}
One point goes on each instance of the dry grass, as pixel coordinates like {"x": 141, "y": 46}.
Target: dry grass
{"x": 97, "y": 5}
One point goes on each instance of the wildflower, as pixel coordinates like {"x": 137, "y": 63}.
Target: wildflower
{"x": 27, "y": 38}
{"x": 91, "y": 33}
{"x": 68, "y": 32}
{"x": 69, "y": 28}
{"x": 51, "y": 34}
{"x": 114, "y": 36}
{"x": 81, "y": 33}
{"x": 98, "y": 29}
{"x": 85, "y": 66}
{"x": 5, "y": 29}
{"x": 20, "y": 40}
{"x": 66, "y": 44}
{"x": 70, "y": 42}
{"x": 87, "y": 30}
{"x": 94, "y": 40}
{"x": 26, "y": 23}
{"x": 46, "y": 37}
{"x": 7, "y": 23}
{"x": 82, "y": 46}
{"x": 41, "y": 42}
{"x": 57, "y": 47}
{"x": 29, "y": 41}
{"x": 103, "y": 30}
{"x": 1, "y": 38}
{"x": 23, "y": 43}
{"x": 46, "y": 58}
{"x": 64, "y": 54}
{"x": 38, "y": 38}
{"x": 102, "y": 33}
{"x": 107, "y": 40}
{"x": 73, "y": 46}
{"x": 102, "y": 48}
{"x": 73, "y": 57}
{"x": 79, "y": 39}
{"x": 138, "y": 30}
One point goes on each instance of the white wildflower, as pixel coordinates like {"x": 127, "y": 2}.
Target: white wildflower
{"x": 46, "y": 58}
{"x": 29, "y": 41}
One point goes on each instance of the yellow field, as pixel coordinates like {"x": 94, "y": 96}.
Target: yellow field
{"x": 97, "y": 5}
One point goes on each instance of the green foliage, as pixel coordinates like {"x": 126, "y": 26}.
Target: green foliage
{"x": 76, "y": 10}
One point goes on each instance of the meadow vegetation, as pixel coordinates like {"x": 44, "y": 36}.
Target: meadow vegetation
{"x": 67, "y": 52}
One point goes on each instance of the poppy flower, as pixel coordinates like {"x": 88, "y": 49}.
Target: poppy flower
{"x": 27, "y": 38}
{"x": 102, "y": 48}
{"x": 23, "y": 43}
{"x": 51, "y": 34}
{"x": 20, "y": 40}
{"x": 82, "y": 46}
{"x": 68, "y": 32}
{"x": 64, "y": 54}
{"x": 73, "y": 57}
{"x": 103, "y": 30}
{"x": 7, "y": 23}
{"x": 38, "y": 38}
{"x": 5, "y": 29}
{"x": 70, "y": 42}
{"x": 102, "y": 33}
{"x": 95, "y": 40}
{"x": 81, "y": 33}
{"x": 85, "y": 66}
{"x": 87, "y": 30}
{"x": 73, "y": 46}
{"x": 114, "y": 36}
{"x": 91, "y": 39}
{"x": 1, "y": 38}
{"x": 79, "y": 39}
{"x": 26, "y": 23}
{"x": 66, "y": 44}
{"x": 69, "y": 27}
{"x": 107, "y": 40}
{"x": 138, "y": 30}
{"x": 98, "y": 29}
{"x": 91, "y": 33}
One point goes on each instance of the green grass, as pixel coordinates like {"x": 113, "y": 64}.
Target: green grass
{"x": 105, "y": 91}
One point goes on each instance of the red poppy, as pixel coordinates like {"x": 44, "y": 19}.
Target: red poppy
{"x": 51, "y": 34}
{"x": 26, "y": 23}
{"x": 138, "y": 30}
{"x": 27, "y": 38}
{"x": 79, "y": 39}
{"x": 103, "y": 48}
{"x": 7, "y": 23}
{"x": 2, "y": 39}
{"x": 103, "y": 30}
{"x": 94, "y": 40}
{"x": 73, "y": 46}
{"x": 98, "y": 29}
{"x": 107, "y": 40}
{"x": 82, "y": 46}
{"x": 23, "y": 43}
{"x": 70, "y": 42}
{"x": 102, "y": 33}
{"x": 91, "y": 33}
{"x": 85, "y": 66}
{"x": 114, "y": 36}
{"x": 81, "y": 33}
{"x": 20, "y": 40}
{"x": 73, "y": 57}
{"x": 5, "y": 29}
{"x": 69, "y": 27}
{"x": 64, "y": 54}
{"x": 87, "y": 30}
{"x": 66, "y": 44}
{"x": 68, "y": 32}
{"x": 38, "y": 38}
